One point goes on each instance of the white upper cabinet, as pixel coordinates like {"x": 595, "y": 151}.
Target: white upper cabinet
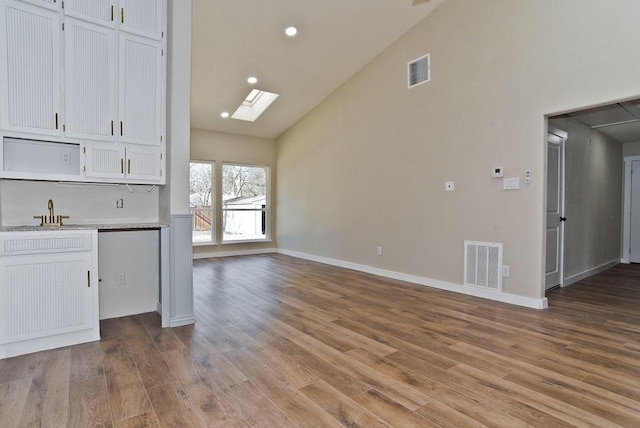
{"x": 90, "y": 73}
{"x": 105, "y": 161}
{"x": 137, "y": 164}
{"x": 144, "y": 164}
{"x": 49, "y": 4}
{"x": 98, "y": 11}
{"x": 90, "y": 81}
{"x": 30, "y": 69}
{"x": 142, "y": 17}
{"x": 140, "y": 91}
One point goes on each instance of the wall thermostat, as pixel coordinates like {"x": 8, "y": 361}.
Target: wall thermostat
{"x": 498, "y": 172}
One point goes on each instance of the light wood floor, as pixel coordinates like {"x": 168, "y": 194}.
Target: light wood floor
{"x": 285, "y": 342}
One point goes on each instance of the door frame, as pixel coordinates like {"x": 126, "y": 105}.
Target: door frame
{"x": 626, "y": 210}
{"x": 563, "y": 136}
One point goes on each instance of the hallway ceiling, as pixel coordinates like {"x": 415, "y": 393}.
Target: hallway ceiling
{"x": 235, "y": 39}
{"x": 619, "y": 121}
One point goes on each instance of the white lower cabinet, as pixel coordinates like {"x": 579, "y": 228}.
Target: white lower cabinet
{"x": 48, "y": 290}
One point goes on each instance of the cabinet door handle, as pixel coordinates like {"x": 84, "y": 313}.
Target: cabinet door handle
{"x": 112, "y": 127}
{"x": 89, "y": 278}
{"x": 121, "y": 128}
{"x": 112, "y": 12}
{"x": 56, "y": 120}
{"x": 128, "y": 166}
{"x": 121, "y": 166}
{"x": 122, "y": 14}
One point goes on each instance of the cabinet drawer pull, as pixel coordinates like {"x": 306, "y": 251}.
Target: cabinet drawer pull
{"x": 121, "y": 166}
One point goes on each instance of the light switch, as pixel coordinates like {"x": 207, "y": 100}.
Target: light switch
{"x": 511, "y": 183}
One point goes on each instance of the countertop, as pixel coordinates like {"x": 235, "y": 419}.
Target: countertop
{"x": 99, "y": 227}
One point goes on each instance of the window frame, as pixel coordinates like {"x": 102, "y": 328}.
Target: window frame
{"x": 213, "y": 198}
{"x": 266, "y": 210}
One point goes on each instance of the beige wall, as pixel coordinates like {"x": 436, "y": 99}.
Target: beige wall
{"x": 367, "y": 167}
{"x": 593, "y": 198}
{"x": 220, "y": 147}
{"x": 631, "y": 149}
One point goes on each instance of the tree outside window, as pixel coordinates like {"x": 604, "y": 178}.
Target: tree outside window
{"x": 200, "y": 201}
{"x": 244, "y": 202}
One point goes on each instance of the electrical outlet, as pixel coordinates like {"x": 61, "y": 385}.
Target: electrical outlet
{"x": 120, "y": 278}
{"x": 505, "y": 271}
{"x": 65, "y": 158}
{"x": 379, "y": 251}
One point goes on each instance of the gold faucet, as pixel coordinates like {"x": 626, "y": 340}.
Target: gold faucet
{"x": 52, "y": 220}
{"x": 50, "y": 206}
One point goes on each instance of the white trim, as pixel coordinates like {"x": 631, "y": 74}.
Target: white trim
{"x": 587, "y": 273}
{"x": 626, "y": 211}
{"x": 9, "y": 350}
{"x": 234, "y": 253}
{"x": 180, "y": 321}
{"x": 419, "y": 280}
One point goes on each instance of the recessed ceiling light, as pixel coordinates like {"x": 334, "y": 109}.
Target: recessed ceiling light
{"x": 224, "y": 114}
{"x": 291, "y": 31}
{"x": 252, "y": 80}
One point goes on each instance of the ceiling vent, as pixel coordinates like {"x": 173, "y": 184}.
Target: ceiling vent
{"x": 419, "y": 71}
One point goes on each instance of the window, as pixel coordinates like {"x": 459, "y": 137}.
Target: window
{"x": 201, "y": 201}
{"x": 245, "y": 204}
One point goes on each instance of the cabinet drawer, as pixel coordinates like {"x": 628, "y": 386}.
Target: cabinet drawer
{"x": 45, "y": 242}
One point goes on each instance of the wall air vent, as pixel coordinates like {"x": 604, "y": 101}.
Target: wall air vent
{"x": 419, "y": 71}
{"x": 483, "y": 265}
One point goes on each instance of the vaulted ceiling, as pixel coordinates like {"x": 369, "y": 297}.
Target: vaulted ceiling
{"x": 235, "y": 39}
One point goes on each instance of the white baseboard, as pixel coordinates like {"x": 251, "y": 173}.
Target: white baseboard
{"x": 234, "y": 253}
{"x": 180, "y": 321}
{"x": 428, "y": 282}
{"x": 586, "y": 274}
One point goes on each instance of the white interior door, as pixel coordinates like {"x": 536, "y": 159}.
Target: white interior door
{"x": 555, "y": 209}
{"x": 634, "y": 241}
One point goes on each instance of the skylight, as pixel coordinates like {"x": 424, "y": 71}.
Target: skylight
{"x": 254, "y": 105}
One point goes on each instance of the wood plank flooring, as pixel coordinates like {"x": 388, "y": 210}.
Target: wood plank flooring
{"x": 285, "y": 342}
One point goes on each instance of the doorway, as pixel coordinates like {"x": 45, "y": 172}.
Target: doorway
{"x": 587, "y": 159}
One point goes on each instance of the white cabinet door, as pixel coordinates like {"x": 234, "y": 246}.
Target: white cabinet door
{"x": 44, "y": 295}
{"x": 142, "y": 17}
{"x": 49, "y": 4}
{"x": 144, "y": 164}
{"x": 90, "y": 81}
{"x": 104, "y": 161}
{"x": 140, "y": 90}
{"x": 30, "y": 67}
{"x": 98, "y": 11}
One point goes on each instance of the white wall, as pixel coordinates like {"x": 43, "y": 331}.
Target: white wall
{"x": 367, "y": 167}
{"x": 83, "y": 203}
